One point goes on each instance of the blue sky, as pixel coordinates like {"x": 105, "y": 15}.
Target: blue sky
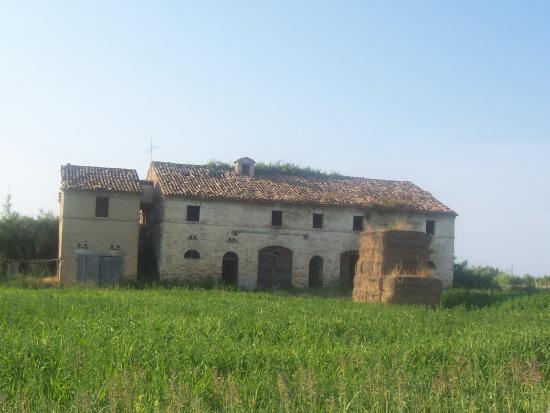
{"x": 454, "y": 96}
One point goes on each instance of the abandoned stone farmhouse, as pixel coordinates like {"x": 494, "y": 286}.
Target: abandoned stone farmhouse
{"x": 193, "y": 222}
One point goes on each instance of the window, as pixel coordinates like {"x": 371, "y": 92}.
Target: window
{"x": 102, "y": 206}
{"x": 192, "y": 254}
{"x": 430, "y": 227}
{"x": 193, "y": 213}
{"x": 276, "y": 218}
{"x": 245, "y": 169}
{"x": 358, "y": 223}
{"x": 317, "y": 220}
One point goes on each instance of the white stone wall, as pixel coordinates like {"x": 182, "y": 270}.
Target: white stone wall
{"x": 79, "y": 225}
{"x": 250, "y": 224}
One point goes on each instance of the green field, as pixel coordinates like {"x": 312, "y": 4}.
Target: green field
{"x": 213, "y": 350}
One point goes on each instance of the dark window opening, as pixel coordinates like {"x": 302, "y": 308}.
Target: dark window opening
{"x": 192, "y": 254}
{"x": 431, "y": 265}
{"x": 193, "y": 213}
{"x": 358, "y": 223}
{"x": 102, "y": 206}
{"x": 230, "y": 269}
{"x": 276, "y": 218}
{"x": 245, "y": 169}
{"x": 316, "y": 272}
{"x": 348, "y": 262}
{"x": 317, "y": 220}
{"x": 430, "y": 227}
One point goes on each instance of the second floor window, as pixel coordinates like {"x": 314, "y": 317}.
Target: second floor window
{"x": 193, "y": 213}
{"x": 358, "y": 223}
{"x": 430, "y": 227}
{"x": 102, "y": 206}
{"x": 276, "y": 218}
{"x": 317, "y": 220}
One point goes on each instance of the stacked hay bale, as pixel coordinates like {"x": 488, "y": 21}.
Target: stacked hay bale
{"x": 393, "y": 268}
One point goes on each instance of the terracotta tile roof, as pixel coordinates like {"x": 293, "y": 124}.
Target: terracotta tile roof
{"x": 199, "y": 181}
{"x": 93, "y": 178}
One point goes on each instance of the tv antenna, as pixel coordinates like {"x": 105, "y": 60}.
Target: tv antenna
{"x": 151, "y": 149}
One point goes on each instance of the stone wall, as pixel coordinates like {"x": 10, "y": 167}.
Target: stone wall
{"x": 78, "y": 225}
{"x": 245, "y": 228}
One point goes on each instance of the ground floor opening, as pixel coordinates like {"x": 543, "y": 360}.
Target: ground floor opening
{"x": 274, "y": 268}
{"x": 348, "y": 260}
{"x": 230, "y": 269}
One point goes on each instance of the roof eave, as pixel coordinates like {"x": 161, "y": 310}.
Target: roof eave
{"x": 374, "y": 207}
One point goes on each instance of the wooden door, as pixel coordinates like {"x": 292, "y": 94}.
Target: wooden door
{"x": 274, "y": 268}
{"x": 110, "y": 270}
{"x": 230, "y": 268}
{"x": 87, "y": 268}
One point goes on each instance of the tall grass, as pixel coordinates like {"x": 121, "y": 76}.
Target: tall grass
{"x": 213, "y": 350}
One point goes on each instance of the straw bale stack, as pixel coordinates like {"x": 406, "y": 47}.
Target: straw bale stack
{"x": 393, "y": 268}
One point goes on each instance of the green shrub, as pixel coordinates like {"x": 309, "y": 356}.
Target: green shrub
{"x": 474, "y": 277}
{"x": 27, "y": 238}
{"x": 276, "y": 168}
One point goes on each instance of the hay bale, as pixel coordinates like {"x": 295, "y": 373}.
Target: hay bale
{"x": 368, "y": 288}
{"x": 382, "y": 252}
{"x": 393, "y": 268}
{"x": 411, "y": 289}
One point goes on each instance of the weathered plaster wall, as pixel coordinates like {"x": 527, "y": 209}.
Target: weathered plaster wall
{"x": 250, "y": 224}
{"x": 78, "y": 225}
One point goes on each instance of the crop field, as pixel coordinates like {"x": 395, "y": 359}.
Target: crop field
{"x": 214, "y": 350}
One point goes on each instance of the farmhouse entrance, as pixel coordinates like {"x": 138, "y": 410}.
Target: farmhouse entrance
{"x": 348, "y": 260}
{"x": 316, "y": 272}
{"x": 274, "y": 268}
{"x": 230, "y": 268}
{"x": 97, "y": 269}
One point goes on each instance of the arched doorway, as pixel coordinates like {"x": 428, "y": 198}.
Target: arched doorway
{"x": 274, "y": 268}
{"x": 230, "y": 268}
{"x": 316, "y": 272}
{"x": 348, "y": 260}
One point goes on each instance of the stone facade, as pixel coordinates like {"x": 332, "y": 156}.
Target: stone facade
{"x": 81, "y": 232}
{"x": 245, "y": 228}
{"x": 187, "y": 218}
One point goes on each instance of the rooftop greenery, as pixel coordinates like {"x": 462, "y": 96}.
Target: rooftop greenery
{"x": 277, "y": 168}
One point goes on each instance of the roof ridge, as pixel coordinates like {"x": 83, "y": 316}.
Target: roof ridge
{"x": 93, "y": 178}
{"x": 179, "y": 179}
{"x": 98, "y": 167}
{"x": 324, "y": 177}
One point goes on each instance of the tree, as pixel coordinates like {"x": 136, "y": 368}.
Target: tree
{"x": 27, "y": 238}
{"x": 7, "y": 207}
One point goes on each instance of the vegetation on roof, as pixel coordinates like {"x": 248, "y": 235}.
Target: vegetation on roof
{"x": 290, "y": 168}
{"x": 218, "y": 166}
{"x": 276, "y": 168}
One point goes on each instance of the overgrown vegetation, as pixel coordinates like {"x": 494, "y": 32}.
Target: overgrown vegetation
{"x": 26, "y": 238}
{"x": 211, "y": 350}
{"x": 218, "y": 166}
{"x": 484, "y": 277}
{"x": 292, "y": 169}
{"x": 277, "y": 168}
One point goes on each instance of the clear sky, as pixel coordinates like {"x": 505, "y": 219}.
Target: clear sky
{"x": 454, "y": 96}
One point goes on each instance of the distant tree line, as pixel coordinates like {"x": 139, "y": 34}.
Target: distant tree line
{"x": 485, "y": 277}
{"x": 26, "y": 238}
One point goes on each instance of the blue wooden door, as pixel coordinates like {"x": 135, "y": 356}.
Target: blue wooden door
{"x": 110, "y": 270}
{"x": 87, "y": 268}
